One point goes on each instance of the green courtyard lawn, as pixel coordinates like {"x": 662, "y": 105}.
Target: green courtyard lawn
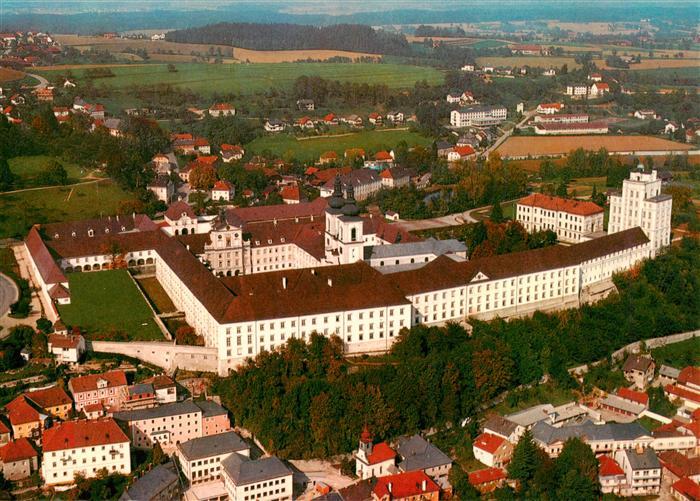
{"x": 49, "y": 205}
{"x": 678, "y": 355}
{"x": 105, "y": 304}
{"x": 209, "y": 79}
{"x": 29, "y": 168}
{"x": 311, "y": 148}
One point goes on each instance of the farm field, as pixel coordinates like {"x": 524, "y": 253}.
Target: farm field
{"x": 128, "y": 312}
{"x": 30, "y": 167}
{"x": 208, "y": 79}
{"x": 532, "y": 61}
{"x": 10, "y": 75}
{"x": 539, "y": 146}
{"x": 162, "y": 50}
{"x": 651, "y": 64}
{"x": 49, "y": 205}
{"x": 311, "y": 149}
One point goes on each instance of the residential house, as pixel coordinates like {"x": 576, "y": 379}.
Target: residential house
{"x": 384, "y": 157}
{"x": 417, "y": 454}
{"x": 492, "y": 450}
{"x": 61, "y": 113}
{"x": 162, "y": 187}
{"x": 18, "y": 459}
{"x": 353, "y": 120}
{"x": 222, "y": 110}
{"x": 488, "y": 479}
{"x": 25, "y": 420}
{"x": 395, "y": 178}
{"x": 645, "y": 114}
{"x": 222, "y": 191}
{"x": 577, "y": 90}
{"x": 364, "y": 182}
{"x": 330, "y": 119}
{"x": 329, "y": 157}
{"x": 140, "y": 396}
{"x": 162, "y": 483}
{"x": 686, "y": 390}
{"x": 306, "y": 104}
{"x": 113, "y": 126}
{"x": 373, "y": 460}
{"x": 549, "y": 72}
{"x": 274, "y": 125}
{"x": 642, "y": 471}
{"x": 671, "y": 128}
{"x": 66, "y": 348}
{"x": 468, "y": 67}
{"x": 305, "y": 123}
{"x": 686, "y": 489}
{"x": 395, "y": 117}
{"x": 599, "y": 89}
{"x": 165, "y": 387}
{"x": 183, "y": 143}
{"x": 200, "y": 458}
{"x": 639, "y": 370}
{"x": 53, "y": 400}
{"x": 264, "y": 479}
{"x": 84, "y": 447}
{"x": 676, "y": 466}
{"x": 375, "y": 118}
{"x": 109, "y": 388}
{"x": 459, "y": 153}
{"x": 408, "y": 486}
{"x": 202, "y": 146}
{"x": 5, "y": 433}
{"x": 611, "y": 476}
{"x": 163, "y": 164}
{"x": 96, "y": 111}
{"x": 231, "y": 152}
{"x": 502, "y": 427}
{"x": 443, "y": 148}
{"x": 529, "y": 49}
{"x": 549, "y": 108}
{"x": 595, "y": 77}
{"x": 668, "y": 375}
{"x": 291, "y": 194}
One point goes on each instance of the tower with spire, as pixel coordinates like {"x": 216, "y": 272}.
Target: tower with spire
{"x": 344, "y": 238}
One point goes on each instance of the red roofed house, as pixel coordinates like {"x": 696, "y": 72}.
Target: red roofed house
{"x": 202, "y": 146}
{"x": 375, "y": 118}
{"x": 687, "y": 389}
{"x": 328, "y": 157}
{"x": 634, "y": 396}
{"x": 686, "y": 489}
{"x": 305, "y": 123}
{"x": 488, "y": 479}
{"x": 18, "y": 459}
{"x": 44, "y": 95}
{"x": 181, "y": 219}
{"x": 599, "y": 88}
{"x": 395, "y": 178}
{"x": 460, "y": 153}
{"x": 549, "y": 108}
{"x": 222, "y": 190}
{"x": 492, "y": 450}
{"x": 571, "y": 220}
{"x": 53, "y": 400}
{"x": 610, "y": 475}
{"x": 373, "y": 460}
{"x": 231, "y": 152}
{"x": 109, "y": 389}
{"x": 222, "y": 110}
{"x": 384, "y": 157}
{"x": 66, "y": 348}
{"x": 291, "y": 194}
{"x": 330, "y": 119}
{"x": 5, "y": 433}
{"x": 25, "y": 420}
{"x": 412, "y": 485}
{"x": 84, "y": 447}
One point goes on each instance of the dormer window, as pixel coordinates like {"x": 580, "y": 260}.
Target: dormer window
{"x": 282, "y": 239}
{"x": 72, "y": 234}
{"x": 55, "y": 235}
{"x": 184, "y": 214}
{"x": 91, "y": 233}
{"x": 257, "y": 242}
{"x": 106, "y": 230}
{"x": 269, "y": 241}
{"x": 101, "y": 383}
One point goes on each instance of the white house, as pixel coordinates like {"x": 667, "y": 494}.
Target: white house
{"x": 274, "y": 125}
{"x": 67, "y": 349}
{"x": 264, "y": 479}
{"x": 571, "y": 220}
{"x": 642, "y": 471}
{"x": 222, "y": 191}
{"x": 200, "y": 458}
{"x": 577, "y": 90}
{"x": 222, "y": 110}
{"x": 373, "y": 460}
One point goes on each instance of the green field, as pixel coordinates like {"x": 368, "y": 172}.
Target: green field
{"x": 208, "y": 79}
{"x": 29, "y": 168}
{"x": 487, "y": 44}
{"x": 109, "y": 301}
{"x": 312, "y": 148}
{"x": 678, "y": 355}
{"x": 49, "y": 205}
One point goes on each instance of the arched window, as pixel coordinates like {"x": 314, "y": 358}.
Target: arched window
{"x": 184, "y": 231}
{"x": 353, "y": 234}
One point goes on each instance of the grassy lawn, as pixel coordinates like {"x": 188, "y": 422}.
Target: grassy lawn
{"x": 208, "y": 79}
{"x": 532, "y": 61}
{"x": 109, "y": 302}
{"x": 487, "y": 44}
{"x": 21, "y": 210}
{"x": 312, "y": 148}
{"x": 540, "y": 394}
{"x": 678, "y": 355}
{"x": 29, "y": 168}
{"x": 156, "y": 294}
{"x": 583, "y": 187}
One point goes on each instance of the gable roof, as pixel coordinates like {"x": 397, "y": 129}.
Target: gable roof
{"x": 419, "y": 454}
{"x": 48, "y": 269}
{"x": 488, "y": 442}
{"x": 19, "y": 411}
{"x": 486, "y": 475}
{"x": 17, "y": 450}
{"x": 83, "y": 433}
{"x": 608, "y": 467}
{"x": 547, "y": 202}
{"x": 689, "y": 488}
{"x": 635, "y": 396}
{"x": 212, "y": 445}
{"x": 49, "y": 397}
{"x": 176, "y": 210}
{"x": 404, "y": 485}
{"x": 88, "y": 382}
{"x": 243, "y": 470}
{"x": 500, "y": 425}
{"x": 637, "y": 362}
{"x": 690, "y": 375}
{"x": 381, "y": 452}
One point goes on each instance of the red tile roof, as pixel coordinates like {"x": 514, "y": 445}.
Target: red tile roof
{"x": 680, "y": 465}
{"x": 20, "y": 412}
{"x": 280, "y": 212}
{"x": 58, "y": 291}
{"x": 601, "y": 85}
{"x": 383, "y": 155}
{"x": 381, "y": 452}
{"x": 207, "y": 160}
{"x": 329, "y": 118}
{"x": 17, "y": 450}
{"x": 160, "y": 382}
{"x": 64, "y": 341}
{"x": 690, "y": 375}
{"x": 609, "y": 467}
{"x": 635, "y": 396}
{"x": 558, "y": 106}
{"x": 200, "y": 141}
{"x": 688, "y": 488}
{"x": 3, "y": 428}
{"x": 464, "y": 151}
{"x": 232, "y": 147}
{"x": 83, "y": 433}
{"x": 176, "y": 210}
{"x": 49, "y": 397}
{"x": 488, "y": 442}
{"x": 291, "y": 193}
{"x": 222, "y": 185}
{"x": 329, "y": 155}
{"x": 404, "y": 485}
{"x": 561, "y": 204}
{"x": 326, "y": 175}
{"x": 486, "y": 475}
{"x": 48, "y": 269}
{"x": 683, "y": 393}
{"x": 80, "y": 384}
{"x": 221, "y": 107}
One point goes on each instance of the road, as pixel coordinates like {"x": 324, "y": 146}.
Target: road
{"x": 43, "y": 83}
{"x": 445, "y": 221}
{"x": 8, "y": 293}
{"x": 528, "y": 115}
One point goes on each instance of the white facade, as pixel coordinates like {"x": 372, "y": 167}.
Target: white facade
{"x": 640, "y": 480}
{"x": 569, "y": 227}
{"x": 478, "y": 116}
{"x": 576, "y": 90}
{"x": 642, "y": 204}
{"x": 59, "y": 467}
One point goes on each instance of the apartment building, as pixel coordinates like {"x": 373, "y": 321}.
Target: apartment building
{"x": 167, "y": 424}
{"x": 641, "y": 204}
{"x": 109, "y": 389}
{"x": 265, "y": 479}
{"x": 478, "y": 116}
{"x": 642, "y": 471}
{"x": 200, "y": 458}
{"x": 571, "y": 220}
{"x": 84, "y": 447}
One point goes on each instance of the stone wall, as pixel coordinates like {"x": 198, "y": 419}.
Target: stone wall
{"x": 167, "y": 355}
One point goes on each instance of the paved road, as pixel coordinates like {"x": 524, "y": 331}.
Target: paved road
{"x": 43, "y": 83}
{"x": 445, "y": 221}
{"x": 8, "y": 294}
{"x": 528, "y": 115}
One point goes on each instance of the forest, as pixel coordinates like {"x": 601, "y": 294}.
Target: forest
{"x": 282, "y": 36}
{"x": 308, "y": 400}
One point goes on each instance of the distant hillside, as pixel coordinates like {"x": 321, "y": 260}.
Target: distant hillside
{"x": 350, "y": 37}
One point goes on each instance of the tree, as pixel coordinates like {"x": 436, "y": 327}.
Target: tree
{"x": 7, "y": 178}
{"x": 54, "y": 173}
{"x": 187, "y": 336}
{"x": 202, "y": 177}
{"x": 496, "y": 212}
{"x": 525, "y": 460}
{"x": 460, "y": 484}
{"x": 44, "y": 325}
{"x": 577, "y": 471}
{"x": 562, "y": 190}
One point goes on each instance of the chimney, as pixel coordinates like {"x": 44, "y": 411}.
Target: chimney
{"x": 423, "y": 485}
{"x": 330, "y": 282}
{"x": 388, "y": 486}
{"x": 313, "y": 271}
{"x": 284, "y": 282}
{"x": 188, "y": 246}
{"x": 274, "y": 222}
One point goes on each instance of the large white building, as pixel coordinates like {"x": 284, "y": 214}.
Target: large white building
{"x": 265, "y": 479}
{"x": 642, "y": 205}
{"x": 478, "y": 116}
{"x": 84, "y": 447}
{"x": 571, "y": 220}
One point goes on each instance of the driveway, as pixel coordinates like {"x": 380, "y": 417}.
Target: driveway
{"x": 43, "y": 83}
{"x": 8, "y": 293}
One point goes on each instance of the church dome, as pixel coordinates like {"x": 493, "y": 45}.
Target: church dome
{"x": 350, "y": 208}
{"x": 336, "y": 201}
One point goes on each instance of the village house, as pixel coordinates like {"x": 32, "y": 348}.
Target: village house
{"x": 353, "y": 120}
{"x": 18, "y": 459}
{"x": 417, "y": 454}
{"x": 549, "y": 108}
{"x": 395, "y": 117}
{"x": 395, "y": 178}
{"x": 686, "y": 489}
{"x": 222, "y": 110}
{"x": 505, "y": 428}
{"x": 305, "y": 104}
{"x": 164, "y": 164}
{"x": 200, "y": 458}
{"x": 5, "y": 433}
{"x": 305, "y": 123}
{"x": 639, "y": 370}
{"x": 468, "y": 67}
{"x": 488, "y": 479}
{"x": 364, "y": 182}
{"x": 329, "y": 157}
{"x": 140, "y": 396}
{"x": 330, "y": 119}
{"x": 109, "y": 389}
{"x": 599, "y": 89}
{"x": 577, "y": 90}
{"x": 492, "y": 450}
{"x": 384, "y": 157}
{"x": 54, "y": 401}
{"x": 686, "y": 390}
{"x": 84, "y": 447}
{"x": 264, "y": 479}
{"x": 610, "y": 476}
{"x": 231, "y": 152}
{"x": 66, "y": 348}
{"x": 668, "y": 375}
{"x": 460, "y": 153}
{"x": 408, "y": 486}
{"x": 642, "y": 471}
{"x": 202, "y": 146}
{"x": 274, "y": 125}
{"x": 291, "y": 194}
{"x": 44, "y": 95}
{"x": 222, "y": 191}
{"x": 25, "y": 419}
{"x": 595, "y": 77}
{"x": 671, "y": 128}
{"x": 162, "y": 187}
{"x": 645, "y": 114}
{"x": 165, "y": 388}
{"x": 571, "y": 220}
{"x": 549, "y": 72}
{"x": 528, "y": 49}
{"x": 375, "y": 118}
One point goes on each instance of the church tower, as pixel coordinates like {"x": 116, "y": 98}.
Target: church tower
{"x": 344, "y": 236}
